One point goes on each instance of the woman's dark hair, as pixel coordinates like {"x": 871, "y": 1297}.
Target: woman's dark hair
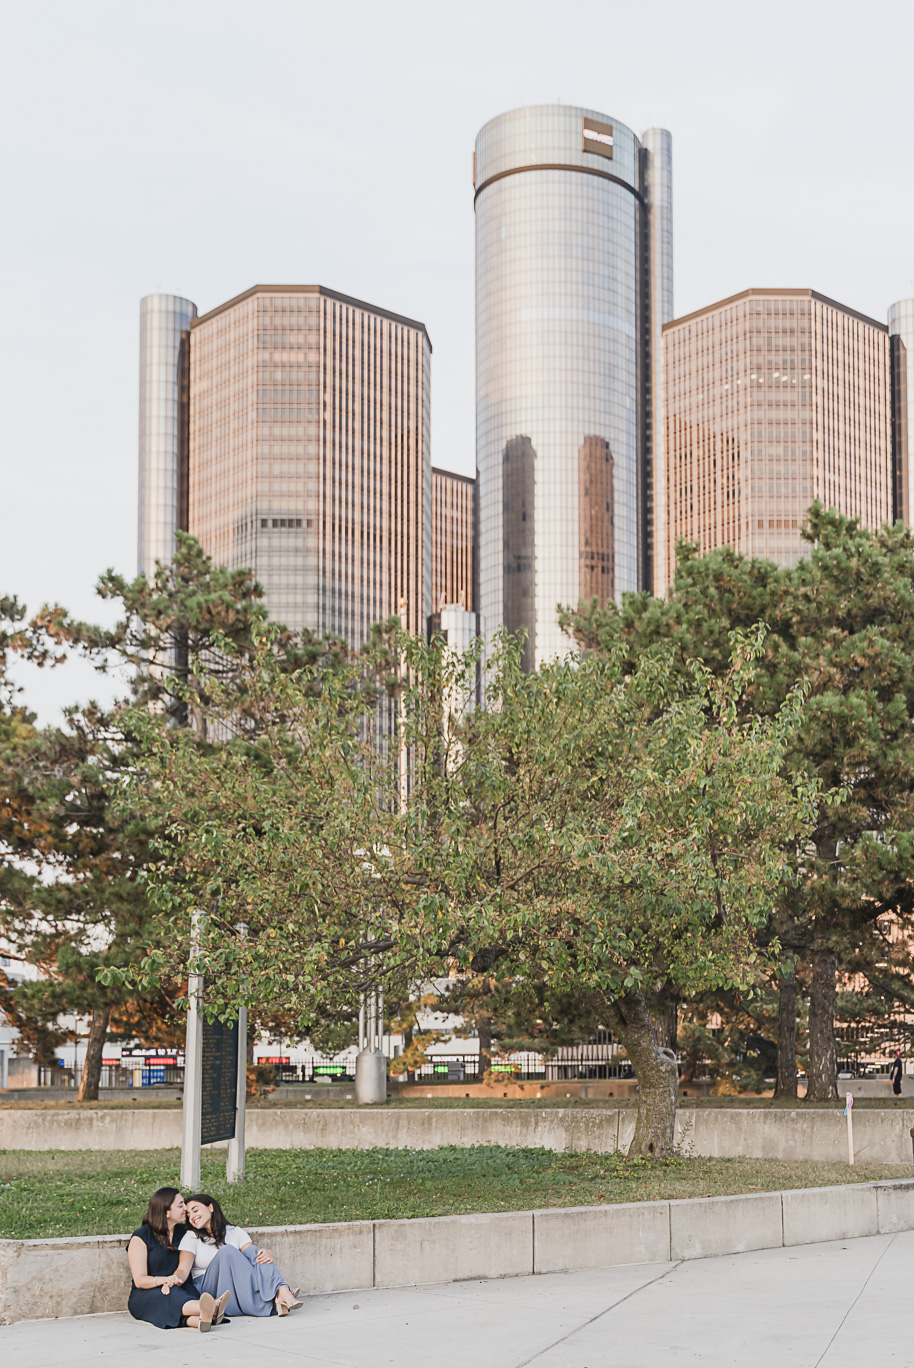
{"x": 217, "y": 1221}
{"x": 157, "y": 1214}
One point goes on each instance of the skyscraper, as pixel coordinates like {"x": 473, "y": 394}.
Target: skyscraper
{"x": 772, "y": 398}
{"x": 162, "y": 505}
{"x": 310, "y": 458}
{"x": 573, "y": 282}
{"x": 453, "y": 540}
{"x": 901, "y": 331}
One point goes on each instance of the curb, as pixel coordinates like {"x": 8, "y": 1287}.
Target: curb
{"x": 88, "y": 1275}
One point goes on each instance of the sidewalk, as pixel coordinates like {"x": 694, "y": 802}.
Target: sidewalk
{"x": 814, "y": 1306}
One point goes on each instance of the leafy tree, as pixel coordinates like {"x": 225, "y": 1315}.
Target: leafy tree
{"x": 842, "y": 619}
{"x": 620, "y": 834}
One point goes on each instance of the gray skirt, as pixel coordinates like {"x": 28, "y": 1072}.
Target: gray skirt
{"x": 252, "y": 1285}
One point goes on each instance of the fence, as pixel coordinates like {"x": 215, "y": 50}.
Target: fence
{"x": 520, "y": 1068}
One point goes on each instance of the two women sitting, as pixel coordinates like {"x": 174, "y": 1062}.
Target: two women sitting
{"x": 191, "y": 1267}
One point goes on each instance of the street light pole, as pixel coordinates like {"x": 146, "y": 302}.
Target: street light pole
{"x": 234, "y": 1163}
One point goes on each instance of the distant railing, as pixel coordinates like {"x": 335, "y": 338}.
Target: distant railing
{"x": 519, "y": 1068}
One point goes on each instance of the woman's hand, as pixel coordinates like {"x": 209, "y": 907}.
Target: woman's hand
{"x": 264, "y": 1256}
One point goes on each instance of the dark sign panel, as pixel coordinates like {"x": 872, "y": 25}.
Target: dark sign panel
{"x": 219, "y": 1079}
{"x": 597, "y": 137}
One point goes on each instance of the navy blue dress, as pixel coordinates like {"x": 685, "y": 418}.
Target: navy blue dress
{"x": 149, "y": 1303}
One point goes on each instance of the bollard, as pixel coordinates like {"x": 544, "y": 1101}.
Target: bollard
{"x": 849, "y": 1113}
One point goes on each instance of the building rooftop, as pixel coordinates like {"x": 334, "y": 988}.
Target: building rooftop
{"x": 311, "y": 290}
{"x": 777, "y": 294}
{"x": 453, "y": 475}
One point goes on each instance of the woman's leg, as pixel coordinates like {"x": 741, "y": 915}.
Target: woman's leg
{"x": 253, "y": 1286}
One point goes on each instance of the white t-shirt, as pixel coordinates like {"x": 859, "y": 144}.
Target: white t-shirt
{"x": 204, "y": 1249}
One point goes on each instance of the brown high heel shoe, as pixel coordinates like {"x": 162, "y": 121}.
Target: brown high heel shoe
{"x": 284, "y": 1307}
{"x": 207, "y": 1309}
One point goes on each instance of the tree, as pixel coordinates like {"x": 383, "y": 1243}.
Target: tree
{"x": 86, "y": 908}
{"x": 622, "y": 834}
{"x": 71, "y": 898}
{"x": 843, "y": 620}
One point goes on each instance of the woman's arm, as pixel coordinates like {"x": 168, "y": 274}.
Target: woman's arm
{"x": 182, "y": 1272}
{"x": 138, "y": 1261}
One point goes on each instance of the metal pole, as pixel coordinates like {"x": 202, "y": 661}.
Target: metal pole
{"x": 849, "y": 1113}
{"x": 193, "y": 1066}
{"x": 234, "y": 1162}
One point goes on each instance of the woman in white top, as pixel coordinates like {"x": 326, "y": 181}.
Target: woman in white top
{"x": 216, "y": 1254}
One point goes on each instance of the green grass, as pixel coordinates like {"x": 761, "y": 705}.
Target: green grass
{"x": 54, "y": 1193}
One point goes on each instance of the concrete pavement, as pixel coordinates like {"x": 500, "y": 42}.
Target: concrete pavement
{"x": 814, "y": 1306}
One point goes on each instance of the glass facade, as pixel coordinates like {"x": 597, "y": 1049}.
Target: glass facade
{"x": 772, "y": 398}
{"x": 565, "y": 282}
{"x": 901, "y": 330}
{"x": 310, "y": 457}
{"x": 162, "y": 505}
{"x": 453, "y": 540}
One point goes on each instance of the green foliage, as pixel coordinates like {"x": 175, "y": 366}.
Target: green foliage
{"x": 843, "y": 621}
{"x": 591, "y": 829}
{"x": 71, "y": 898}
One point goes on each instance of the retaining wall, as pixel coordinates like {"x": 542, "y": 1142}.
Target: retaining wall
{"x": 880, "y": 1137}
{"x": 83, "y": 1276}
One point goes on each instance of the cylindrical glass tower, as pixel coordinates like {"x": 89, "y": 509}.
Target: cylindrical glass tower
{"x": 564, "y": 278}
{"x": 901, "y": 331}
{"x": 162, "y": 486}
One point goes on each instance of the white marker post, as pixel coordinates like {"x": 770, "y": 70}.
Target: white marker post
{"x": 193, "y": 1067}
{"x": 849, "y": 1113}
{"x": 234, "y": 1163}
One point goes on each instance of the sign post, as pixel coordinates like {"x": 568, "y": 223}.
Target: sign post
{"x": 849, "y": 1113}
{"x": 234, "y": 1164}
{"x": 193, "y": 1053}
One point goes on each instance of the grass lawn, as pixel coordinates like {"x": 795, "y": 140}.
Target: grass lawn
{"x": 83, "y": 1192}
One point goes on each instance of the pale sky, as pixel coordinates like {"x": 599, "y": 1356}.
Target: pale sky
{"x": 201, "y": 147}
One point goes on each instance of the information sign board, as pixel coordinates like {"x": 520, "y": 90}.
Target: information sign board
{"x": 219, "y": 1076}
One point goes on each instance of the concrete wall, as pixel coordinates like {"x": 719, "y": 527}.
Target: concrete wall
{"x": 880, "y": 1137}
{"x": 40, "y": 1278}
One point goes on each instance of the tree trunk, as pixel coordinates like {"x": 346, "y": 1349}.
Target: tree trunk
{"x": 658, "y": 1077}
{"x": 823, "y": 1051}
{"x": 484, "y": 1030}
{"x": 92, "y": 1064}
{"x": 786, "y": 1085}
{"x": 665, "y": 1018}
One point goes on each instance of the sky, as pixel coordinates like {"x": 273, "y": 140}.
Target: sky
{"x": 201, "y": 147}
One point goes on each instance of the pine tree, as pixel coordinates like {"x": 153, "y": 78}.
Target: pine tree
{"x": 842, "y": 619}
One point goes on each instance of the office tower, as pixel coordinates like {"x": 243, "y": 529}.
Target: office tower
{"x": 573, "y": 282}
{"x": 309, "y": 455}
{"x": 772, "y": 398}
{"x": 453, "y": 540}
{"x": 164, "y": 323}
{"x": 901, "y": 331}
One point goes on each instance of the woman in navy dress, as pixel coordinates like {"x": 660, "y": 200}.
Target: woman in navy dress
{"x": 158, "y": 1295}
